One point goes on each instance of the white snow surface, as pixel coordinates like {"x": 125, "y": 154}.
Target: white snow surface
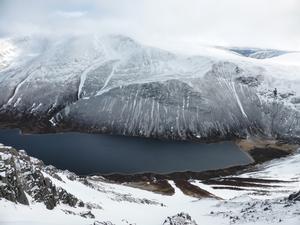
{"x": 61, "y": 60}
{"x": 7, "y": 52}
{"x": 291, "y": 59}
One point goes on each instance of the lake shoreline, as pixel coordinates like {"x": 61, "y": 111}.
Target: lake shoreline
{"x": 30, "y": 124}
{"x": 259, "y": 150}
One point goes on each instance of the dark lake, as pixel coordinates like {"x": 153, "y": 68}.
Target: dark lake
{"x": 94, "y": 153}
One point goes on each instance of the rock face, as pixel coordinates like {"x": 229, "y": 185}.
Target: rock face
{"x": 26, "y": 180}
{"x": 11, "y": 187}
{"x": 294, "y": 197}
{"x": 103, "y": 223}
{"x": 180, "y": 219}
{"x": 114, "y": 84}
{"x": 22, "y": 174}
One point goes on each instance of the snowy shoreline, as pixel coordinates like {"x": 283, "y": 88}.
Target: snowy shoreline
{"x": 86, "y": 200}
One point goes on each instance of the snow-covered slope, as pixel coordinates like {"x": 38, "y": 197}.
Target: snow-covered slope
{"x": 258, "y": 53}
{"x": 7, "y": 53}
{"x": 35, "y": 194}
{"x": 291, "y": 59}
{"x": 114, "y": 84}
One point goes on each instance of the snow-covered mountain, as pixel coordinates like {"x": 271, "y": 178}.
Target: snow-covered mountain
{"x": 113, "y": 84}
{"x": 33, "y": 193}
{"x": 258, "y": 53}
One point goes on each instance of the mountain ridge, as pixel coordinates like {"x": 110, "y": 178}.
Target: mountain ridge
{"x": 113, "y": 84}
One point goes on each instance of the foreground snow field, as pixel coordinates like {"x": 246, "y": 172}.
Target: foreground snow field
{"x": 93, "y": 200}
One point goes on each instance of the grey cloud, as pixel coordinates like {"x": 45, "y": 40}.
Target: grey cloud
{"x": 258, "y": 23}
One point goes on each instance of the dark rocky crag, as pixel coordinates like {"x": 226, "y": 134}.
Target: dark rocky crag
{"x": 180, "y": 219}
{"x": 22, "y": 174}
{"x": 294, "y": 197}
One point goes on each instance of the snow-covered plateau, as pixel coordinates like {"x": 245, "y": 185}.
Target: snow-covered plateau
{"x": 114, "y": 84}
{"x": 33, "y": 193}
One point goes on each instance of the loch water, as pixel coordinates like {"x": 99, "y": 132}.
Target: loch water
{"x": 103, "y": 154}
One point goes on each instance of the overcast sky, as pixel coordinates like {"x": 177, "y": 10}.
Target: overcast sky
{"x": 257, "y": 23}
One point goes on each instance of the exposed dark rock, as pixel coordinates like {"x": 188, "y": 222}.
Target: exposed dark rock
{"x": 68, "y": 212}
{"x": 67, "y": 198}
{"x": 180, "y": 219}
{"x": 250, "y": 81}
{"x": 294, "y": 197}
{"x": 21, "y": 173}
{"x": 88, "y": 214}
{"x": 12, "y": 189}
{"x": 81, "y": 204}
{"x": 103, "y": 223}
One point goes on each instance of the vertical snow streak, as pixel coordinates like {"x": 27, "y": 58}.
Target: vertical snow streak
{"x": 83, "y": 76}
{"x": 81, "y": 83}
{"x": 238, "y": 100}
{"x": 231, "y": 86}
{"x": 17, "y": 88}
{"x": 102, "y": 90}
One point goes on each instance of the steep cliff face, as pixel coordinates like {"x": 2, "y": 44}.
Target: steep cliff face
{"x": 113, "y": 84}
{"x": 22, "y": 178}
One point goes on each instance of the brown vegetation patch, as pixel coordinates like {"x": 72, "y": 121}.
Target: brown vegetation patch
{"x": 160, "y": 186}
{"x": 189, "y": 189}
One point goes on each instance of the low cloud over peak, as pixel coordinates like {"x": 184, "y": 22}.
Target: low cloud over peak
{"x": 168, "y": 23}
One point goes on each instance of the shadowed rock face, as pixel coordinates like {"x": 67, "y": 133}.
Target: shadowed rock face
{"x": 116, "y": 85}
{"x": 180, "y": 219}
{"x": 20, "y": 173}
{"x": 294, "y": 197}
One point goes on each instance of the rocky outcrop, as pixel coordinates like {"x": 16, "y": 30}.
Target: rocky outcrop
{"x": 26, "y": 180}
{"x": 180, "y": 219}
{"x": 10, "y": 185}
{"x": 103, "y": 223}
{"x": 294, "y": 197}
{"x": 21, "y": 174}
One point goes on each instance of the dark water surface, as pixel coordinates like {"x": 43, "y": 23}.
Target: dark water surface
{"x": 93, "y": 153}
